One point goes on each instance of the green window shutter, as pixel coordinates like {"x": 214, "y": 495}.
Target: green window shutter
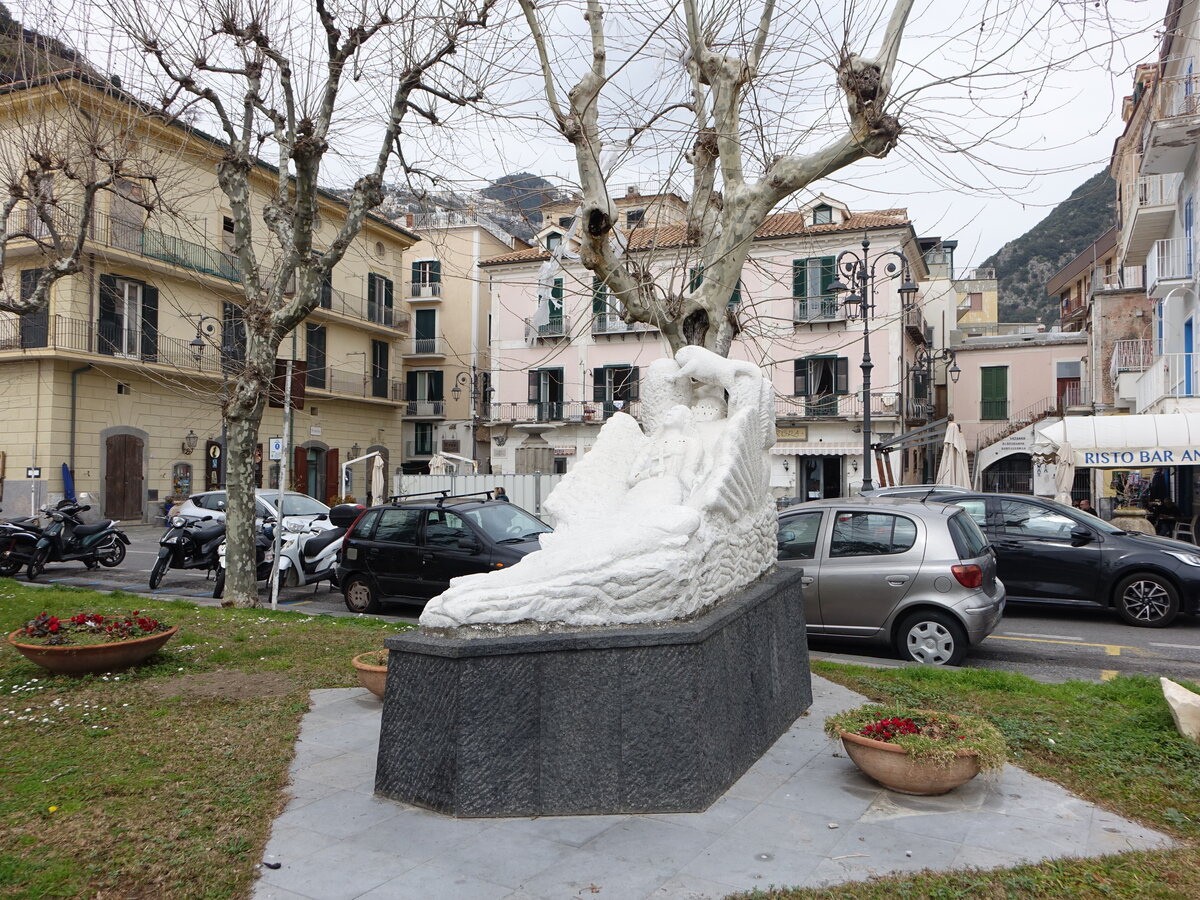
{"x": 800, "y": 377}
{"x": 435, "y": 386}
{"x": 736, "y": 297}
{"x": 599, "y": 297}
{"x": 632, "y": 379}
{"x": 435, "y": 271}
{"x": 388, "y": 296}
{"x": 109, "y": 323}
{"x": 149, "y": 339}
{"x": 993, "y": 392}
{"x": 799, "y": 278}
{"x": 534, "y": 394}
{"x": 599, "y": 385}
{"x": 828, "y": 273}
{"x": 695, "y": 278}
{"x": 841, "y": 376}
{"x": 416, "y": 274}
{"x": 556, "y": 292}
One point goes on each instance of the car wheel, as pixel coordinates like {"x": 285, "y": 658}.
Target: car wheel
{"x": 1147, "y": 600}
{"x": 113, "y": 556}
{"x": 361, "y": 596}
{"x": 160, "y": 569}
{"x": 932, "y": 638}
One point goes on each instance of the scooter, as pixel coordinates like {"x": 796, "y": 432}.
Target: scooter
{"x": 188, "y": 544}
{"x": 18, "y": 540}
{"x": 308, "y": 551}
{"x": 67, "y": 538}
{"x": 264, "y": 555}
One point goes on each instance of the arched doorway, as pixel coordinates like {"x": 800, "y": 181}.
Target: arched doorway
{"x": 1011, "y": 474}
{"x": 124, "y": 481}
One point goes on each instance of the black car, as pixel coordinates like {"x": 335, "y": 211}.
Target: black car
{"x": 1047, "y": 552}
{"x": 409, "y": 549}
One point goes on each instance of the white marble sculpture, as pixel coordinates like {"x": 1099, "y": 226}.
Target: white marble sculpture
{"x": 1185, "y": 708}
{"x": 656, "y": 522}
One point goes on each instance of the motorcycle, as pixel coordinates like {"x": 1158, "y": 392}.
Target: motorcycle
{"x": 187, "y": 544}
{"x": 309, "y": 550}
{"x": 264, "y": 554}
{"x": 18, "y": 540}
{"x": 67, "y": 538}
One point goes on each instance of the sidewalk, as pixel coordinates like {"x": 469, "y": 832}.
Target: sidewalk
{"x": 801, "y": 816}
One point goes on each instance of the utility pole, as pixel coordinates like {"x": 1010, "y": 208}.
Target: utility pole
{"x": 283, "y": 476}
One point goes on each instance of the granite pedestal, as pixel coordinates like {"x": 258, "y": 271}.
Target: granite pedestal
{"x": 633, "y": 719}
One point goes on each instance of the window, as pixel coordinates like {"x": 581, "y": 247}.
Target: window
{"x": 871, "y": 534}
{"x": 233, "y": 336}
{"x": 425, "y": 331}
{"x": 366, "y": 524}
{"x": 1032, "y": 521}
{"x": 615, "y": 387}
{"x": 560, "y": 465}
{"x": 975, "y": 299}
{"x": 35, "y": 326}
{"x": 566, "y": 221}
{"x": 798, "y": 536}
{"x": 227, "y": 233}
{"x": 600, "y": 305}
{"x": 546, "y": 393}
{"x": 811, "y": 278}
{"x": 423, "y": 386}
{"x": 422, "y": 439}
{"x": 379, "y": 368}
{"x": 380, "y": 298}
{"x": 735, "y": 299}
{"x": 993, "y": 397}
{"x": 398, "y": 525}
{"x": 327, "y": 291}
{"x": 822, "y": 214}
{"x": 976, "y": 509}
{"x": 695, "y": 278}
{"x": 444, "y": 528}
{"x": 128, "y": 318}
{"x": 634, "y": 217}
{"x": 426, "y": 271}
{"x": 821, "y": 379}
{"x": 553, "y": 240}
{"x": 315, "y": 370}
{"x": 969, "y": 541}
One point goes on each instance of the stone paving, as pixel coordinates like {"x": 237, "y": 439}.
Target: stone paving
{"x": 801, "y": 816}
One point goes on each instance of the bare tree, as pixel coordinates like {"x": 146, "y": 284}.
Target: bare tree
{"x": 285, "y": 82}
{"x": 719, "y": 91}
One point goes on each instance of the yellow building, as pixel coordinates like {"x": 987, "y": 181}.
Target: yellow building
{"x": 121, "y": 377}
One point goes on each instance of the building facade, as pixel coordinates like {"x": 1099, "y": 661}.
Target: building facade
{"x": 120, "y": 379}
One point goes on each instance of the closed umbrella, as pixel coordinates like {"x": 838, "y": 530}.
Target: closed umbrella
{"x": 1064, "y": 474}
{"x": 438, "y": 465}
{"x": 377, "y": 481}
{"x": 953, "y": 468}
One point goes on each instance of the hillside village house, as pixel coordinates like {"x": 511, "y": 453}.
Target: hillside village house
{"x": 562, "y": 365}
{"x": 121, "y": 377}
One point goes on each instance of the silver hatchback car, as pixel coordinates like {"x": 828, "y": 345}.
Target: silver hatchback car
{"x": 894, "y": 571}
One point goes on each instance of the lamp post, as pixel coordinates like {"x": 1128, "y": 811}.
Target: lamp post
{"x": 476, "y": 381}
{"x": 923, "y": 364}
{"x": 862, "y": 276}
{"x": 208, "y": 325}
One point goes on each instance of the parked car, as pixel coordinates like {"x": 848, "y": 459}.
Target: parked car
{"x": 916, "y": 490}
{"x": 410, "y": 549}
{"x": 1050, "y": 553}
{"x": 295, "y": 506}
{"x": 917, "y": 576}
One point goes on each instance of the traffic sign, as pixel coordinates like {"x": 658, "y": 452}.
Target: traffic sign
{"x": 275, "y": 448}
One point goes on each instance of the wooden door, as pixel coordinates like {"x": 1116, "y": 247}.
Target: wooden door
{"x": 123, "y": 481}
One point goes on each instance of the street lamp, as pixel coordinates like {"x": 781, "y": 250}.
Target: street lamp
{"x": 207, "y": 326}
{"x": 862, "y": 275}
{"x": 924, "y": 361}
{"x": 477, "y": 382}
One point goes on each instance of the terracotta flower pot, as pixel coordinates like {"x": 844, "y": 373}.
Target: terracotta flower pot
{"x": 892, "y": 767}
{"x": 74, "y": 659}
{"x": 370, "y": 675}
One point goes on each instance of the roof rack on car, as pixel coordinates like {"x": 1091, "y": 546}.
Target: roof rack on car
{"x": 444, "y": 496}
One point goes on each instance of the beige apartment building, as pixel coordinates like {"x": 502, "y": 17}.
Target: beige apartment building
{"x": 120, "y": 379}
{"x": 447, "y": 377}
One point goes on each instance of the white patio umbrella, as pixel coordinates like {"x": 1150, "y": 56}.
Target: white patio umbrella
{"x": 953, "y": 468}
{"x": 377, "y": 481}
{"x": 1064, "y": 475}
{"x": 438, "y": 465}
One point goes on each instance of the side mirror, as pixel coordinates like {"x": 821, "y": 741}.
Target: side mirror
{"x": 206, "y": 519}
{"x": 1081, "y": 535}
{"x": 321, "y": 517}
{"x": 220, "y": 504}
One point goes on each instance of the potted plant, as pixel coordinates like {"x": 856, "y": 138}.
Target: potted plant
{"x": 372, "y": 670}
{"x": 918, "y": 751}
{"x": 90, "y": 642}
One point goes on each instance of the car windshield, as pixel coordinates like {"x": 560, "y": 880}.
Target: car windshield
{"x": 302, "y": 505}
{"x": 1093, "y": 521}
{"x": 505, "y": 522}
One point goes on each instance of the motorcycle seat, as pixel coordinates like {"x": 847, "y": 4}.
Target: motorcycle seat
{"x": 25, "y": 522}
{"x": 315, "y": 544}
{"x": 85, "y": 530}
{"x": 208, "y": 531}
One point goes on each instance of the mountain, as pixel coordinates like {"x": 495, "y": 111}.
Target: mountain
{"x": 25, "y": 52}
{"x": 1024, "y": 265}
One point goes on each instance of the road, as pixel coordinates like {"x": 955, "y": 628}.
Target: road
{"x": 1047, "y": 644}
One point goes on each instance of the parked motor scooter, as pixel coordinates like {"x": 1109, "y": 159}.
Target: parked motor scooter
{"x": 309, "y": 550}
{"x": 264, "y": 554}
{"x": 187, "y": 544}
{"x": 67, "y": 538}
{"x": 18, "y": 540}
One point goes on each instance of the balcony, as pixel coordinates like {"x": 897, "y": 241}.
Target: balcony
{"x": 1169, "y": 141}
{"x": 1131, "y": 356}
{"x": 914, "y": 323}
{"x": 611, "y": 323}
{"x": 1168, "y": 265}
{"x": 425, "y": 290}
{"x": 425, "y": 409}
{"x": 364, "y": 310}
{"x": 1172, "y": 375}
{"x": 557, "y": 328}
{"x": 1129, "y": 278}
{"x": 977, "y": 274}
{"x": 1148, "y": 215}
{"x": 350, "y": 383}
{"x": 836, "y": 406}
{"x": 426, "y": 347}
{"x": 807, "y": 310}
{"x": 567, "y": 412}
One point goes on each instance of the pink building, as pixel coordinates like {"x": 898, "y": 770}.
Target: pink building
{"x": 560, "y": 370}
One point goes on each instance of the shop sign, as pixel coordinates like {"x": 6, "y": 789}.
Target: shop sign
{"x": 791, "y": 433}
{"x": 1148, "y": 456}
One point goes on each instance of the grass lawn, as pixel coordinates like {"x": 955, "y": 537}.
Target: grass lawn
{"x": 1112, "y": 743}
{"x": 161, "y": 782}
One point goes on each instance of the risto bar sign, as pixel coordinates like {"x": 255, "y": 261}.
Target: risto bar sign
{"x": 1149, "y": 456}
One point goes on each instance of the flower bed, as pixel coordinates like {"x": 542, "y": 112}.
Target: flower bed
{"x": 85, "y": 629}
{"x": 925, "y": 735}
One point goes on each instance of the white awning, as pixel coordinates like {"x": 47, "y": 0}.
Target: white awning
{"x": 817, "y": 450}
{"x": 1166, "y": 439}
